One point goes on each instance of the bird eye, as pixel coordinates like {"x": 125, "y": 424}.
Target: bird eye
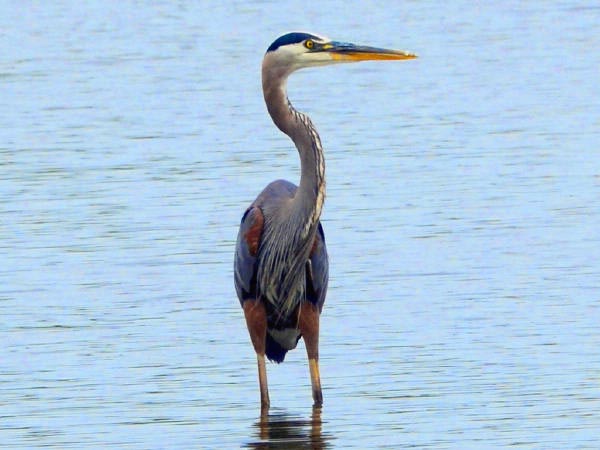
{"x": 309, "y": 44}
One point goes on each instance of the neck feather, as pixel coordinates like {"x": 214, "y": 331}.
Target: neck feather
{"x": 308, "y": 201}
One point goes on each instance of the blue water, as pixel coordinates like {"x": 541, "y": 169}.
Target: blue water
{"x": 461, "y": 220}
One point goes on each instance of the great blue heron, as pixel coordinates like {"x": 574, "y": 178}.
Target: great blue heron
{"x": 281, "y": 267}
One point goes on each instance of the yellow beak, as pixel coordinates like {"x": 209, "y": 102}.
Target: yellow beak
{"x": 343, "y": 51}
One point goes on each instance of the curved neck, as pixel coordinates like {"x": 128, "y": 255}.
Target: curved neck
{"x": 308, "y": 201}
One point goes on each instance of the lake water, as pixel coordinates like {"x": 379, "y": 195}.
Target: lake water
{"x": 462, "y": 222}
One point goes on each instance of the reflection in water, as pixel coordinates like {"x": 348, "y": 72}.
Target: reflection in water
{"x": 280, "y": 430}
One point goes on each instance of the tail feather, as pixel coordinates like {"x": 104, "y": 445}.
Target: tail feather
{"x": 274, "y": 351}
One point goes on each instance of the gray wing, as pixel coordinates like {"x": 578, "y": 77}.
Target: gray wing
{"x": 318, "y": 270}
{"x": 246, "y": 249}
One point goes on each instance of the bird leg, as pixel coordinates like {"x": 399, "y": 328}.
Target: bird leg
{"x": 256, "y": 320}
{"x": 308, "y": 323}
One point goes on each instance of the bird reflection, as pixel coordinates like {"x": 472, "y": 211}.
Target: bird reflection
{"x": 283, "y": 431}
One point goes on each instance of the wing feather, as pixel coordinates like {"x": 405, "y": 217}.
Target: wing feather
{"x": 248, "y": 243}
{"x": 318, "y": 270}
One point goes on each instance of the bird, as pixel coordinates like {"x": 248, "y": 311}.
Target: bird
{"x": 281, "y": 267}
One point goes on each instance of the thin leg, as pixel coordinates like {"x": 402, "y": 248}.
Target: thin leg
{"x": 256, "y": 320}
{"x": 262, "y": 381}
{"x": 308, "y": 322}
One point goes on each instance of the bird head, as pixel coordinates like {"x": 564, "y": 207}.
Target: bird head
{"x": 298, "y": 50}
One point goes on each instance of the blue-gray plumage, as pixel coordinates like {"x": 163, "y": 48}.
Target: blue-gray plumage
{"x": 285, "y": 270}
{"x": 281, "y": 266}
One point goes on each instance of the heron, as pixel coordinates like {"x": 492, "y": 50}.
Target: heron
{"x": 281, "y": 266}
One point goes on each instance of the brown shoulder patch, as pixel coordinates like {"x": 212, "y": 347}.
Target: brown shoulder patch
{"x": 254, "y": 233}
{"x": 315, "y": 245}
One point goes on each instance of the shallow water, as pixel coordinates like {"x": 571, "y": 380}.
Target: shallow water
{"x": 461, "y": 220}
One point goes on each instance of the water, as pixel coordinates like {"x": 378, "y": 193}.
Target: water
{"x": 461, "y": 219}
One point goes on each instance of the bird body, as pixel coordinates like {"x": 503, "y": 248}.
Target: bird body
{"x": 281, "y": 265}
{"x": 288, "y": 266}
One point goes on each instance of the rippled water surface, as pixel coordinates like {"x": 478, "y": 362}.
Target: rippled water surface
{"x": 462, "y": 221}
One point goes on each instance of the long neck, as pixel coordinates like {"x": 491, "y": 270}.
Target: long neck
{"x": 308, "y": 201}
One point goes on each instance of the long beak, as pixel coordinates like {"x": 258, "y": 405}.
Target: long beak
{"x": 343, "y": 51}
